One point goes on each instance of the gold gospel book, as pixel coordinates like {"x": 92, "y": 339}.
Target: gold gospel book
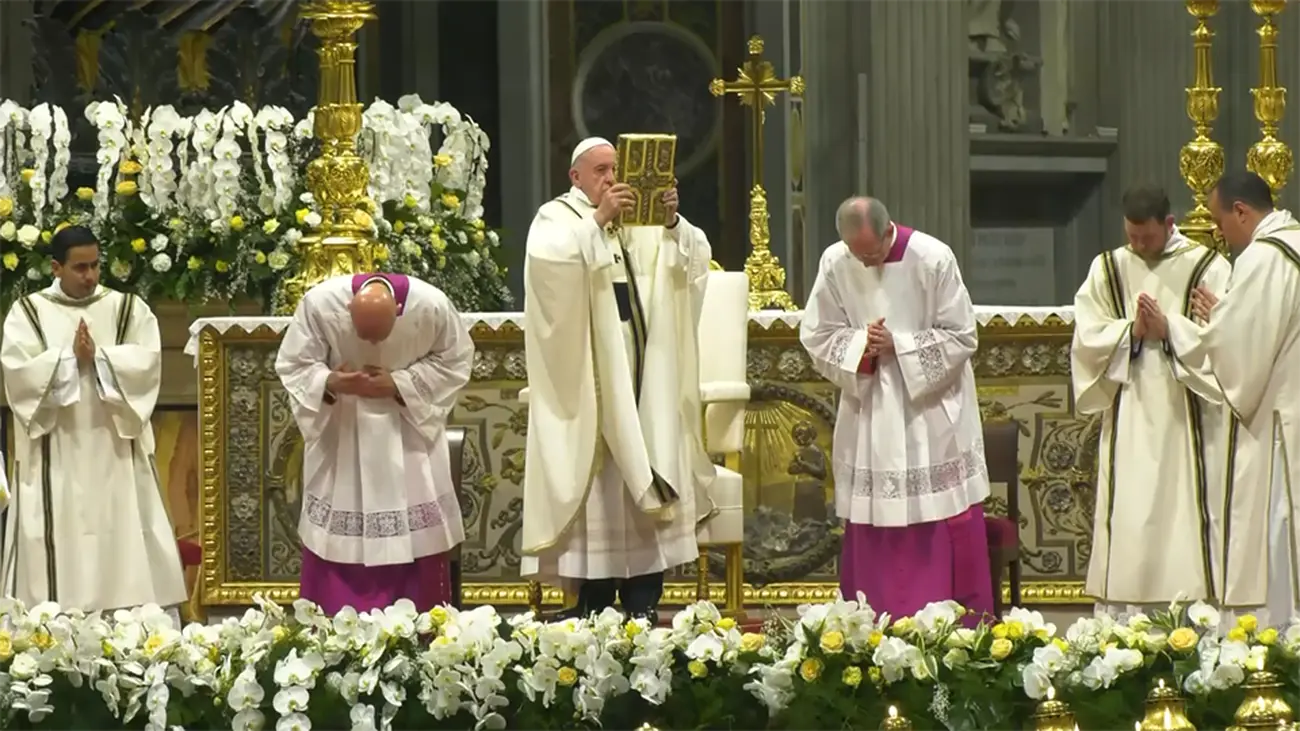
{"x": 646, "y": 162}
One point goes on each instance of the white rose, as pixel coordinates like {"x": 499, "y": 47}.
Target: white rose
{"x": 158, "y": 243}
{"x": 312, "y": 220}
{"x": 161, "y": 263}
{"x": 28, "y": 235}
{"x": 8, "y": 231}
{"x": 277, "y": 260}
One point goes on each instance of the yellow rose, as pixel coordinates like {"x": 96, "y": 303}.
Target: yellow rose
{"x": 410, "y": 201}
{"x": 381, "y": 252}
{"x": 1248, "y": 622}
{"x": 46, "y": 236}
{"x": 127, "y": 188}
{"x": 478, "y": 224}
{"x": 436, "y": 243}
{"x": 300, "y": 215}
{"x": 194, "y": 264}
{"x": 726, "y": 624}
{"x": 875, "y": 675}
{"x": 1183, "y": 639}
{"x": 697, "y": 669}
{"x": 441, "y": 161}
{"x": 874, "y": 639}
{"x": 362, "y": 219}
{"x": 10, "y": 261}
{"x": 27, "y": 175}
{"x": 567, "y": 676}
{"x": 751, "y": 642}
{"x": 85, "y": 194}
{"x": 450, "y": 200}
{"x": 1267, "y": 637}
{"x": 1000, "y": 648}
{"x": 477, "y": 237}
{"x": 852, "y": 676}
{"x": 221, "y": 266}
{"x": 62, "y": 225}
{"x": 631, "y": 629}
{"x": 439, "y": 615}
{"x": 999, "y": 631}
{"x": 1015, "y": 629}
{"x": 832, "y": 642}
{"x": 811, "y": 669}
{"x": 1237, "y": 634}
{"x": 130, "y": 167}
{"x": 6, "y": 207}
{"x": 236, "y": 223}
{"x": 259, "y": 257}
{"x": 270, "y": 226}
{"x": 6, "y": 645}
{"x": 139, "y": 245}
{"x": 399, "y": 227}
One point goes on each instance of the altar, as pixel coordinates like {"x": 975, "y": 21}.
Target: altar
{"x": 251, "y": 456}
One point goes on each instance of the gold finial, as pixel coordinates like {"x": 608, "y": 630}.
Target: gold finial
{"x": 757, "y": 85}
{"x": 1165, "y": 710}
{"x": 1201, "y": 159}
{"x": 1054, "y": 715}
{"x": 342, "y": 244}
{"x": 1270, "y": 158}
{"x": 1263, "y": 706}
{"x": 895, "y": 721}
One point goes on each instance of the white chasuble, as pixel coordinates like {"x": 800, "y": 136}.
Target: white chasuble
{"x": 1253, "y": 346}
{"x": 86, "y": 525}
{"x": 908, "y": 445}
{"x": 1160, "y": 461}
{"x": 615, "y": 469}
{"x": 376, "y": 473}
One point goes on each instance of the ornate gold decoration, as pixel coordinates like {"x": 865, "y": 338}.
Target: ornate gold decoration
{"x": 895, "y": 721}
{"x": 1263, "y": 706}
{"x": 192, "y": 61}
{"x": 757, "y": 86}
{"x": 1053, "y": 714}
{"x": 1165, "y": 710}
{"x": 1201, "y": 159}
{"x": 1270, "y": 158}
{"x": 645, "y": 163}
{"x": 342, "y": 244}
{"x": 87, "y": 45}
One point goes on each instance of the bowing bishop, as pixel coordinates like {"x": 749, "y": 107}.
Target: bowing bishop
{"x": 1160, "y": 460}
{"x": 85, "y": 525}
{"x": 890, "y": 322}
{"x": 615, "y": 458}
{"x": 373, "y": 364}
{"x": 1252, "y": 344}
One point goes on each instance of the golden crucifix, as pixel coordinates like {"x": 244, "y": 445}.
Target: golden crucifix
{"x": 757, "y": 86}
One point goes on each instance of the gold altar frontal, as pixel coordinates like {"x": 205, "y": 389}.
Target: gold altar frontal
{"x": 251, "y": 459}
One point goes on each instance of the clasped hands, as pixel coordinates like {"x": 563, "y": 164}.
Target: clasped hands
{"x": 1150, "y": 323}
{"x": 369, "y": 382}
{"x": 620, "y": 198}
{"x": 83, "y": 346}
{"x": 879, "y": 340}
{"x": 1203, "y": 300}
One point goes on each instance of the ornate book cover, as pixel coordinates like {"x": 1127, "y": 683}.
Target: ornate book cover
{"x": 647, "y": 163}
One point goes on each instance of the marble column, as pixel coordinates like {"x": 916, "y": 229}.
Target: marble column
{"x": 525, "y": 129}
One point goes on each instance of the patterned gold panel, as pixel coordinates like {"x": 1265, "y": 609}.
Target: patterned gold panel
{"x": 250, "y": 498}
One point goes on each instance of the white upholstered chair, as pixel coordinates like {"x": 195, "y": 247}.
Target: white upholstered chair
{"x": 724, "y": 392}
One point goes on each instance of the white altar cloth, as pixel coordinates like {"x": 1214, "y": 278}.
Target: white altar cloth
{"x": 983, "y": 314}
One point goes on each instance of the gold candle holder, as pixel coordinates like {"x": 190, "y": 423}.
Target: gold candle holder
{"x": 1165, "y": 710}
{"x": 342, "y": 244}
{"x": 894, "y": 721}
{"x": 1054, "y": 715}
{"x": 1201, "y": 160}
{"x": 1270, "y": 158}
{"x": 1263, "y": 707}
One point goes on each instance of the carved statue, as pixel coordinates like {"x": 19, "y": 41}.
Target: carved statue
{"x": 997, "y": 69}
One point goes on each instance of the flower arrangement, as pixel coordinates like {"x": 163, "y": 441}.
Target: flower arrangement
{"x": 839, "y": 665}
{"x": 211, "y": 207}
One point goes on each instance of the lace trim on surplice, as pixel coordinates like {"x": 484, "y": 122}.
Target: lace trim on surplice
{"x": 379, "y": 524}
{"x": 929, "y": 353}
{"x": 839, "y": 345}
{"x": 914, "y": 481}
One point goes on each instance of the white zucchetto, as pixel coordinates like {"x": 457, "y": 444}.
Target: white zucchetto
{"x": 588, "y": 144}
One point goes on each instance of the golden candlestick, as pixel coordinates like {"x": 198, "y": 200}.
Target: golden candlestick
{"x": 1263, "y": 707}
{"x": 342, "y": 244}
{"x": 1054, "y": 715}
{"x": 895, "y": 721}
{"x": 757, "y": 86}
{"x": 1270, "y": 158}
{"x": 1165, "y": 710}
{"x": 1201, "y": 159}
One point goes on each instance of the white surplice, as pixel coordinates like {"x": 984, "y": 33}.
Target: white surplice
{"x": 599, "y": 459}
{"x": 1253, "y": 346}
{"x": 377, "y": 486}
{"x": 86, "y": 525}
{"x": 1161, "y": 458}
{"x": 908, "y": 445}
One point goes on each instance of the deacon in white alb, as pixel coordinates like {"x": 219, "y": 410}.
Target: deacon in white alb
{"x": 614, "y": 457}
{"x": 86, "y": 526}
{"x": 1160, "y": 462}
{"x": 890, "y": 322}
{"x": 374, "y": 364}
{"x": 1253, "y": 346}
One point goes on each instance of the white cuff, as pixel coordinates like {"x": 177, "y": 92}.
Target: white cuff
{"x": 105, "y": 382}
{"x": 66, "y": 390}
{"x": 1117, "y": 370}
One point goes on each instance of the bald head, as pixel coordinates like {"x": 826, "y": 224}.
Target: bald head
{"x": 864, "y": 226}
{"x": 374, "y": 312}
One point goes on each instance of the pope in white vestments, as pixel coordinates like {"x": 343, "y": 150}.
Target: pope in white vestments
{"x": 86, "y": 526}
{"x": 890, "y": 322}
{"x": 374, "y": 364}
{"x": 1253, "y": 346}
{"x": 614, "y": 458}
{"x": 1160, "y": 462}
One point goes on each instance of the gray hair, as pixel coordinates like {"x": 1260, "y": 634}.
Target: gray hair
{"x": 858, "y": 212}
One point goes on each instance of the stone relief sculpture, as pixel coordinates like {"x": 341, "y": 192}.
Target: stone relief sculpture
{"x": 998, "y": 69}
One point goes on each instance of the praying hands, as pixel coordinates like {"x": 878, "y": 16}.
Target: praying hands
{"x": 1151, "y": 323}
{"x": 1203, "y": 300}
{"x": 83, "y": 346}
{"x": 369, "y": 382}
{"x": 879, "y": 340}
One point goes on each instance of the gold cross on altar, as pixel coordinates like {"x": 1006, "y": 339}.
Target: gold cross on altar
{"x": 757, "y": 86}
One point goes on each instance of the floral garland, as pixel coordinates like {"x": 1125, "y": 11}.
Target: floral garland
{"x": 211, "y": 207}
{"x": 839, "y": 665}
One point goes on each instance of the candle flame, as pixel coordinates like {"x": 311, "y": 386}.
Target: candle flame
{"x": 1137, "y": 726}
{"x": 1051, "y": 693}
{"x": 1161, "y": 684}
{"x": 893, "y": 712}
